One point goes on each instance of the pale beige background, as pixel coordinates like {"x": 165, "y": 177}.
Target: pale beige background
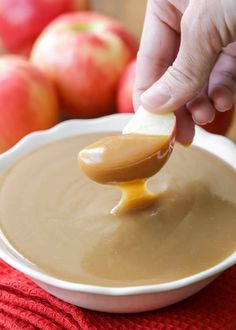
{"x": 131, "y": 13}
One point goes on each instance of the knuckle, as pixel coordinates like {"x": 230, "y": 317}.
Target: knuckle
{"x": 183, "y": 77}
{"x": 200, "y": 29}
{"x": 167, "y": 13}
{"x": 227, "y": 76}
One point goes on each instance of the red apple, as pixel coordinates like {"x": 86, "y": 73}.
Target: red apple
{"x": 21, "y": 21}
{"x": 221, "y": 123}
{"x": 27, "y": 100}
{"x": 85, "y": 54}
{"x": 125, "y": 89}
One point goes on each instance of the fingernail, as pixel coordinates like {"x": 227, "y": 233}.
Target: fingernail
{"x": 155, "y": 97}
{"x": 202, "y": 123}
{"x": 223, "y": 105}
{"x": 223, "y": 99}
{"x": 211, "y": 120}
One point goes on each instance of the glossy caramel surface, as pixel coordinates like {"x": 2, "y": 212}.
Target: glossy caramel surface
{"x": 122, "y": 158}
{"x": 60, "y": 221}
{"x": 127, "y": 161}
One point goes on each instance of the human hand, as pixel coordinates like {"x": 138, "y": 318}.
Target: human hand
{"x": 187, "y": 61}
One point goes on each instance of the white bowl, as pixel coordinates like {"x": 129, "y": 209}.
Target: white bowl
{"x": 109, "y": 299}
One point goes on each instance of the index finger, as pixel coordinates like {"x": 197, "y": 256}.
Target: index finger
{"x": 158, "y": 47}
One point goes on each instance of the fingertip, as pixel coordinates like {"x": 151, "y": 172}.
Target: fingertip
{"x": 222, "y": 98}
{"x": 185, "y": 129}
{"x": 202, "y": 118}
{"x": 202, "y": 110}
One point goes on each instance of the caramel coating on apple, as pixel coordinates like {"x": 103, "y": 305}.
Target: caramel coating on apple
{"x": 124, "y": 158}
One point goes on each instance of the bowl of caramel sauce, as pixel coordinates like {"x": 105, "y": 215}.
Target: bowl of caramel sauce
{"x": 58, "y": 227}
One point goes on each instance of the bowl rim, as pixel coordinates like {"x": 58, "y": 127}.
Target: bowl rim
{"x": 220, "y": 146}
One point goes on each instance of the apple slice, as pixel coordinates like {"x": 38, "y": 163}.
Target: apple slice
{"x": 129, "y": 159}
{"x": 147, "y": 123}
{"x": 139, "y": 153}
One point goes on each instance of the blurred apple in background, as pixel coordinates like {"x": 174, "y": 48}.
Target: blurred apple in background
{"x": 27, "y": 100}
{"x": 220, "y": 125}
{"x": 21, "y": 21}
{"x": 125, "y": 89}
{"x": 84, "y": 54}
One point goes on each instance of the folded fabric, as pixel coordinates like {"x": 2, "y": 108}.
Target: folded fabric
{"x": 23, "y": 305}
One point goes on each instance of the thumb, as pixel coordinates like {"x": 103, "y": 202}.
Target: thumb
{"x": 197, "y": 54}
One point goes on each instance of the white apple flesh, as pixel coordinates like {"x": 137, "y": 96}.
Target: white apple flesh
{"x": 147, "y": 123}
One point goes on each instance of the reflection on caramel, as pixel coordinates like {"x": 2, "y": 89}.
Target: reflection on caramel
{"x": 127, "y": 161}
{"x": 123, "y": 158}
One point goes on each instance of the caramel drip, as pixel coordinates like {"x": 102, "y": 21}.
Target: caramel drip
{"x": 135, "y": 196}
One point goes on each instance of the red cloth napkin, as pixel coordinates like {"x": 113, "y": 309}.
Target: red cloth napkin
{"x": 23, "y": 305}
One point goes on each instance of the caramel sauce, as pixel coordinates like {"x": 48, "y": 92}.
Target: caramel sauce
{"x": 127, "y": 161}
{"x": 135, "y": 196}
{"x": 61, "y": 222}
